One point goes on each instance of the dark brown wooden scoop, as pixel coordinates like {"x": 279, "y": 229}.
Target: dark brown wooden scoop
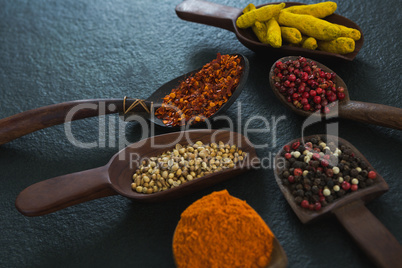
{"x": 29, "y": 121}
{"x": 116, "y": 177}
{"x": 225, "y": 17}
{"x": 371, "y": 113}
{"x": 369, "y": 233}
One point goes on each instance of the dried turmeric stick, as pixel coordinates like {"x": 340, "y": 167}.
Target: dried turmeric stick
{"x": 260, "y": 30}
{"x": 309, "y": 25}
{"x": 341, "y": 45}
{"x": 291, "y": 35}
{"x": 309, "y": 42}
{"x": 319, "y": 10}
{"x": 261, "y": 14}
{"x": 274, "y": 37}
{"x": 248, "y": 8}
{"x": 349, "y": 32}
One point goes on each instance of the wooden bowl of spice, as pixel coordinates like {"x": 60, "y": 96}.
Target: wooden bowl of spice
{"x": 220, "y": 230}
{"x": 187, "y": 100}
{"x": 116, "y": 177}
{"x": 225, "y": 17}
{"x": 324, "y": 175}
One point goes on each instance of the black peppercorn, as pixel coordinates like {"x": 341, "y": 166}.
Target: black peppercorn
{"x": 307, "y": 187}
{"x": 300, "y": 192}
{"x": 354, "y": 173}
{"x": 297, "y": 164}
{"x": 298, "y": 199}
{"x": 341, "y": 193}
{"x": 315, "y": 189}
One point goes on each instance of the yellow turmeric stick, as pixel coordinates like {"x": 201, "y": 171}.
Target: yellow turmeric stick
{"x": 260, "y": 30}
{"x": 309, "y": 25}
{"x": 309, "y": 42}
{"x": 248, "y": 8}
{"x": 274, "y": 37}
{"x": 341, "y": 45}
{"x": 291, "y": 35}
{"x": 320, "y": 10}
{"x": 261, "y": 14}
{"x": 349, "y": 32}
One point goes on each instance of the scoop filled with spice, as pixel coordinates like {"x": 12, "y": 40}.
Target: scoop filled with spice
{"x": 189, "y": 99}
{"x": 247, "y": 22}
{"x": 323, "y": 175}
{"x": 310, "y": 88}
{"x": 116, "y": 177}
{"x": 220, "y": 230}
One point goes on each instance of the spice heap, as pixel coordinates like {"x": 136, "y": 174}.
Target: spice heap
{"x": 305, "y": 85}
{"x": 317, "y": 173}
{"x": 299, "y": 25}
{"x": 183, "y": 164}
{"x": 220, "y": 230}
{"x": 203, "y": 93}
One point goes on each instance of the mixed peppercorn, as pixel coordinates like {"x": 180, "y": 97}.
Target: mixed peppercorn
{"x": 203, "y": 93}
{"x": 306, "y": 85}
{"x": 317, "y": 173}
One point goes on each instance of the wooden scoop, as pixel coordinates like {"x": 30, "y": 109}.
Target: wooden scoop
{"x": 29, "y": 121}
{"x": 371, "y": 113}
{"x": 116, "y": 176}
{"x": 225, "y": 17}
{"x": 369, "y": 233}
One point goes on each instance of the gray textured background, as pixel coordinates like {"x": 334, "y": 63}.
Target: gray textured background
{"x": 55, "y": 51}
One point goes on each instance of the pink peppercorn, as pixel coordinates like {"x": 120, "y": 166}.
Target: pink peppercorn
{"x": 345, "y": 185}
{"x": 305, "y": 204}
{"x": 291, "y": 179}
{"x": 297, "y": 172}
{"x": 372, "y": 175}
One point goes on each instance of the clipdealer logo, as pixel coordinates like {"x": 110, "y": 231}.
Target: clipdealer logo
{"x": 112, "y": 129}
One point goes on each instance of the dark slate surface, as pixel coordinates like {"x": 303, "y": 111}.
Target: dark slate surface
{"x": 55, "y": 51}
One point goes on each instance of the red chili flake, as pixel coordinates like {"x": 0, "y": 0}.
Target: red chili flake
{"x": 203, "y": 93}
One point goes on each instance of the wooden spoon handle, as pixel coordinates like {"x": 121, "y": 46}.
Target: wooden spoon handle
{"x": 372, "y": 113}
{"x": 60, "y": 192}
{"x": 370, "y": 234}
{"x": 29, "y": 121}
{"x": 208, "y": 13}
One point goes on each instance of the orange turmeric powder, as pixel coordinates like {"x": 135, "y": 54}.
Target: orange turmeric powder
{"x": 220, "y": 230}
